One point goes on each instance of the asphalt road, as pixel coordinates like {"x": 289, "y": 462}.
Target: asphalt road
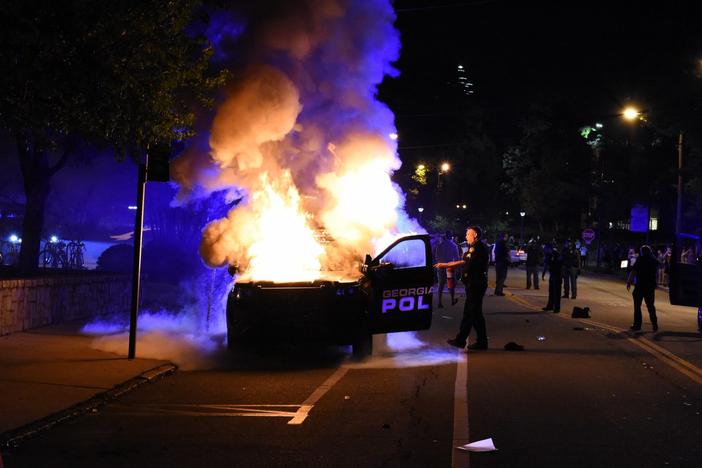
{"x": 582, "y": 393}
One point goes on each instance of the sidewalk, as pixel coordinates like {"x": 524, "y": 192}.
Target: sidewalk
{"x": 48, "y": 370}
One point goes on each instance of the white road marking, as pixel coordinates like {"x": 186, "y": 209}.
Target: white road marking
{"x": 219, "y": 410}
{"x": 309, "y": 403}
{"x": 460, "y": 412}
{"x": 230, "y": 410}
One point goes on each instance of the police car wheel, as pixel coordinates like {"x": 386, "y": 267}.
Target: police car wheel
{"x": 362, "y": 346}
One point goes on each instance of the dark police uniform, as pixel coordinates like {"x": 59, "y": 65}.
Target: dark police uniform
{"x": 645, "y": 270}
{"x": 555, "y": 272}
{"x": 475, "y": 278}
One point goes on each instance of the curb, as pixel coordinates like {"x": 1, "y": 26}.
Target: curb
{"x": 16, "y": 436}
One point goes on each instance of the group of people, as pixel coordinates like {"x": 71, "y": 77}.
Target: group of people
{"x": 562, "y": 264}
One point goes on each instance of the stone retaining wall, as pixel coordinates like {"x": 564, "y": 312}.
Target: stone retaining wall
{"x": 35, "y": 302}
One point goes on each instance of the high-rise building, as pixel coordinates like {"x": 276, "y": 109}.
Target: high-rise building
{"x": 464, "y": 83}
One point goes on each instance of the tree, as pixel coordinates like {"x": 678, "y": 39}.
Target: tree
{"x": 75, "y": 73}
{"x": 548, "y": 171}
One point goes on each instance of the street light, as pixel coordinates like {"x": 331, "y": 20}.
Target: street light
{"x": 631, "y": 113}
{"x": 444, "y": 168}
{"x": 521, "y": 231}
{"x": 421, "y": 171}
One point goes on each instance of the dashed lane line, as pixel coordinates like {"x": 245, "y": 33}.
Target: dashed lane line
{"x": 460, "y": 412}
{"x": 686, "y": 368}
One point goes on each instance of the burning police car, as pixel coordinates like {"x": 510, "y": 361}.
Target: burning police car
{"x": 391, "y": 293}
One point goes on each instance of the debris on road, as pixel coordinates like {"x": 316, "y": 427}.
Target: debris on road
{"x": 484, "y": 445}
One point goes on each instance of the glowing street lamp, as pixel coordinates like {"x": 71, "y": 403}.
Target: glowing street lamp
{"x": 444, "y": 168}
{"x": 521, "y": 231}
{"x": 631, "y": 114}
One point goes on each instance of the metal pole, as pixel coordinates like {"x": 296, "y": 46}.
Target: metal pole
{"x": 136, "y": 265}
{"x": 678, "y": 210}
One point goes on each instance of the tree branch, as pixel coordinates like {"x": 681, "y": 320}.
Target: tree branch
{"x": 61, "y": 162}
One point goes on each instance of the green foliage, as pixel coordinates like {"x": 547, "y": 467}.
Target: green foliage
{"x": 439, "y": 224}
{"x": 549, "y": 170}
{"x": 123, "y": 74}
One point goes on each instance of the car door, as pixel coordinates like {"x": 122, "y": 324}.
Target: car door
{"x": 401, "y": 286}
{"x": 685, "y": 286}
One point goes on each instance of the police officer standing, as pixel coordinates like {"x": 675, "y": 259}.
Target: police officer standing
{"x": 474, "y": 267}
{"x": 535, "y": 256}
{"x": 501, "y": 263}
{"x": 571, "y": 269}
{"x": 555, "y": 271}
{"x": 643, "y": 275}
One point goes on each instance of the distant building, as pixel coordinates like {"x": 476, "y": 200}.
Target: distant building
{"x": 464, "y": 82}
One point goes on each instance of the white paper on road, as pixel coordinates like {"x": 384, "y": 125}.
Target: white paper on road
{"x": 484, "y": 445}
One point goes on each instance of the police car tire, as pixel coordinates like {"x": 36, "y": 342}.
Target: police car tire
{"x": 362, "y": 345}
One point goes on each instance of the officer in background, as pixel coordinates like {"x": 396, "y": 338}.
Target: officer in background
{"x": 571, "y": 270}
{"x": 555, "y": 271}
{"x": 474, "y": 267}
{"x": 643, "y": 275}
{"x": 535, "y": 256}
{"x": 501, "y": 263}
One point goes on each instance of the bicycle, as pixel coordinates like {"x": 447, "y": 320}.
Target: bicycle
{"x": 54, "y": 255}
{"x": 76, "y": 259}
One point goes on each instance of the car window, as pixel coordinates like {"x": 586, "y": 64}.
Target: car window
{"x": 407, "y": 254}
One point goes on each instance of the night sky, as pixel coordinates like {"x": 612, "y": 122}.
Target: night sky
{"x": 595, "y": 55}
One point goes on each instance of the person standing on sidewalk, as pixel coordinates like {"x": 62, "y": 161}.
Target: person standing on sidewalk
{"x": 474, "y": 266}
{"x": 535, "y": 256}
{"x": 555, "y": 267}
{"x": 446, "y": 250}
{"x": 501, "y": 263}
{"x": 643, "y": 275}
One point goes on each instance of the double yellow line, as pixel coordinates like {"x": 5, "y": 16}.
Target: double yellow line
{"x": 681, "y": 365}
